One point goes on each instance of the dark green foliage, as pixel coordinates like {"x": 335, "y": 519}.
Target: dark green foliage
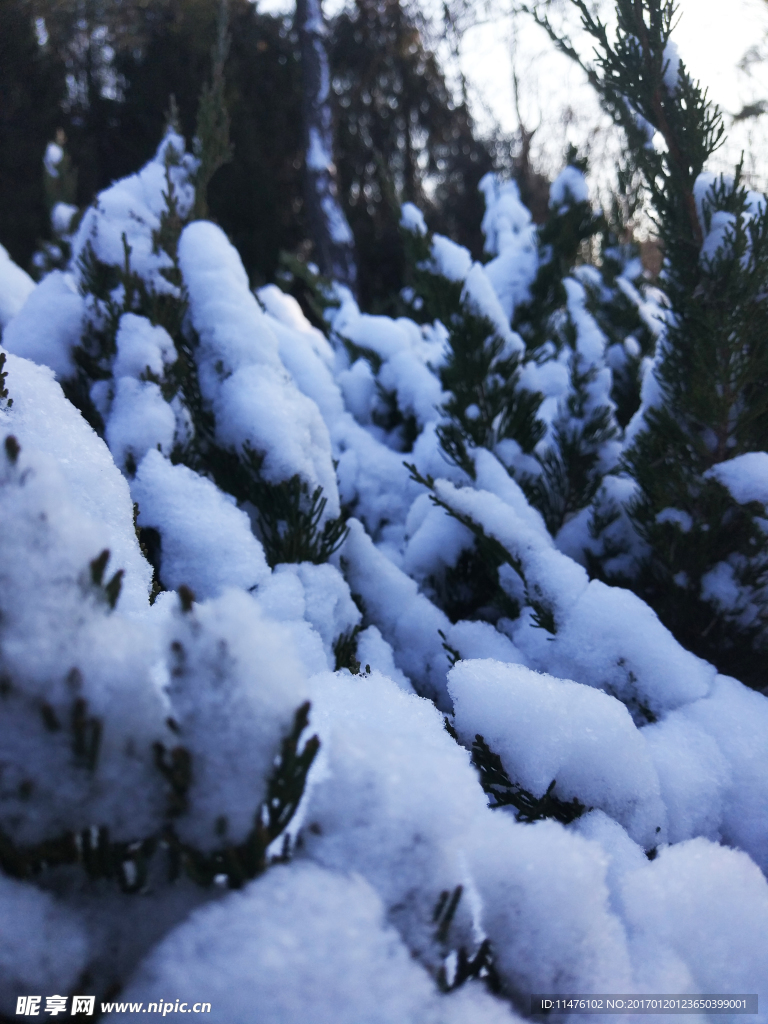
{"x": 713, "y": 367}
{"x": 570, "y": 466}
{"x": 91, "y": 849}
{"x": 486, "y": 403}
{"x": 629, "y": 77}
{"x": 86, "y": 735}
{"x": 286, "y": 784}
{"x": 465, "y": 967}
{"x": 212, "y": 146}
{"x": 505, "y": 793}
{"x": 12, "y": 449}
{"x": 150, "y": 543}
{"x": 491, "y": 553}
{"x": 186, "y": 598}
{"x": 119, "y": 290}
{"x": 613, "y": 299}
{"x": 176, "y": 767}
{"x": 345, "y": 650}
{"x": 401, "y": 428}
{"x": 285, "y": 788}
{"x": 290, "y": 520}
{"x": 480, "y": 965}
{"x": 470, "y": 589}
{"x": 109, "y": 591}
{"x": 289, "y": 516}
{"x": 4, "y": 395}
{"x": 128, "y": 863}
{"x": 571, "y": 462}
{"x": 454, "y": 655}
{"x": 445, "y": 909}
{"x": 540, "y": 321}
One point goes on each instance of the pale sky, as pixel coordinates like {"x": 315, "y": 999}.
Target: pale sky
{"x": 712, "y": 37}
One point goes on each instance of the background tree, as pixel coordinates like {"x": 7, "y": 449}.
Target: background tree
{"x": 701, "y": 562}
{"x": 333, "y": 242}
{"x": 399, "y": 134}
{"x": 31, "y": 90}
{"x": 401, "y": 137}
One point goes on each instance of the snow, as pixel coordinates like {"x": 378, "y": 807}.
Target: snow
{"x": 132, "y": 208}
{"x": 406, "y": 358}
{"x": 139, "y": 419}
{"x": 49, "y": 324}
{"x": 643, "y": 666}
{"x": 547, "y": 729}
{"x": 550, "y": 379}
{"x": 301, "y": 944}
{"x": 693, "y": 774}
{"x": 553, "y": 882}
{"x": 358, "y": 385}
{"x": 235, "y": 685}
{"x": 253, "y": 397}
{"x": 735, "y": 774}
{"x": 43, "y": 945}
{"x": 745, "y": 476}
{"x": 407, "y": 619}
{"x": 62, "y": 644}
{"x": 585, "y": 686}
{"x": 449, "y": 260}
{"x": 376, "y": 654}
{"x": 671, "y": 66}
{"x": 206, "y": 541}
{"x": 551, "y": 577}
{"x": 412, "y": 219}
{"x": 339, "y": 230}
{"x": 505, "y": 215}
{"x": 569, "y": 188}
{"x": 721, "y": 587}
{"x": 318, "y": 158}
{"x": 141, "y": 348}
{"x": 677, "y": 517}
{"x": 328, "y": 604}
{"x": 481, "y": 299}
{"x": 41, "y": 418}
{"x": 287, "y": 311}
{"x": 705, "y": 906}
{"x": 15, "y": 287}
{"x": 62, "y": 216}
{"x": 510, "y": 236}
{"x": 435, "y": 540}
{"x": 393, "y": 788}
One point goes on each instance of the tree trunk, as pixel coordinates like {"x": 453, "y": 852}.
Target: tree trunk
{"x": 330, "y": 232}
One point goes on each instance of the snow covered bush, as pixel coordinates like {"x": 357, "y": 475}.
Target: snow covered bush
{"x": 684, "y": 526}
{"x": 295, "y": 613}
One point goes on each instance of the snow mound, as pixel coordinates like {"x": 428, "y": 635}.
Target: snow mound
{"x": 301, "y": 944}
{"x": 15, "y": 287}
